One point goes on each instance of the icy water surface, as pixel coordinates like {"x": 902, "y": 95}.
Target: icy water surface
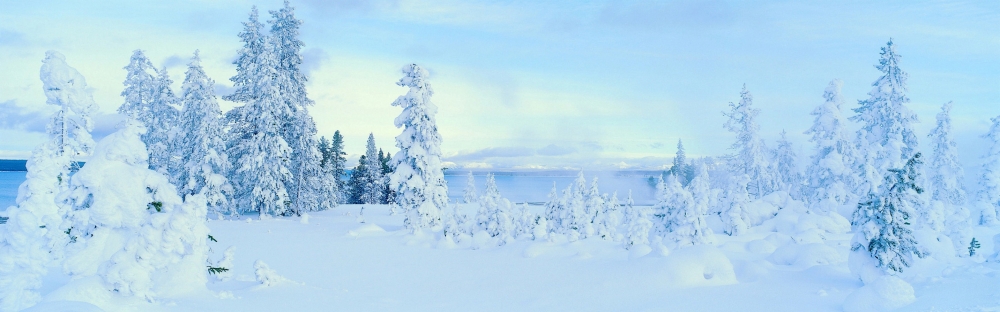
{"x": 518, "y": 187}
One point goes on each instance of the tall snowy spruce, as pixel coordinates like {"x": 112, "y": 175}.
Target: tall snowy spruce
{"x": 830, "y": 176}
{"x": 204, "y": 162}
{"x": 298, "y": 127}
{"x": 789, "y": 177}
{"x": 947, "y": 213}
{"x": 150, "y": 101}
{"x": 259, "y": 153}
{"x": 329, "y": 193}
{"x": 750, "y": 158}
{"x": 33, "y": 236}
{"x": 418, "y": 179}
{"x": 129, "y": 227}
{"x": 372, "y": 181}
{"x": 988, "y": 197}
{"x": 883, "y": 239}
{"x": 672, "y": 201}
{"x": 886, "y": 139}
{"x": 637, "y": 223}
{"x": 680, "y": 167}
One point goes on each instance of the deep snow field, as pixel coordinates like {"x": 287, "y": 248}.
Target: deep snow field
{"x": 330, "y": 261}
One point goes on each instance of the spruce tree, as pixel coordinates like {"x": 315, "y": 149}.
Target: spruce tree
{"x": 298, "y": 128}
{"x": 324, "y": 151}
{"x": 373, "y": 190}
{"x": 204, "y": 162}
{"x": 882, "y": 221}
{"x": 886, "y": 139}
{"x": 338, "y": 164}
{"x": 356, "y": 184}
{"x": 989, "y": 180}
{"x": 946, "y": 212}
{"x": 161, "y": 132}
{"x": 735, "y": 216}
{"x": 494, "y": 215}
{"x": 638, "y": 223}
{"x": 690, "y": 226}
{"x": 750, "y": 158}
{"x": 470, "y": 195}
{"x": 785, "y": 160}
{"x": 418, "y": 178}
{"x": 259, "y": 153}
{"x": 830, "y": 176}
{"x": 681, "y": 168}
{"x": 150, "y": 102}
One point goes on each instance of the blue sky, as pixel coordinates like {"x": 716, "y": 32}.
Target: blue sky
{"x": 582, "y": 84}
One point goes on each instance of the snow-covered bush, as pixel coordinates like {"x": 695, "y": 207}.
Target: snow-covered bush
{"x": 33, "y": 237}
{"x": 690, "y": 227}
{"x": 607, "y": 220}
{"x": 735, "y": 217}
{"x": 637, "y": 222}
{"x": 129, "y": 226}
{"x": 988, "y": 198}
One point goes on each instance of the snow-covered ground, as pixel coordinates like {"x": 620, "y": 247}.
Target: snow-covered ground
{"x": 331, "y": 261}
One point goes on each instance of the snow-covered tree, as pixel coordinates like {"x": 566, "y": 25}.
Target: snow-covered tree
{"x": 989, "y": 179}
{"x": 946, "y": 213}
{"x": 750, "y": 158}
{"x": 150, "y": 101}
{"x": 129, "y": 226}
{"x": 830, "y": 176}
{"x": 671, "y": 202}
{"x": 607, "y": 220}
{"x": 681, "y": 168}
{"x": 735, "y": 216}
{"x": 886, "y": 139}
{"x": 638, "y": 223}
{"x": 373, "y": 188}
{"x": 298, "y": 127}
{"x": 494, "y": 215}
{"x": 259, "y": 153}
{"x": 247, "y": 65}
{"x": 338, "y": 164}
{"x": 574, "y": 212}
{"x": 881, "y": 224}
{"x": 690, "y": 227}
{"x": 418, "y": 179}
{"x": 33, "y": 236}
{"x": 946, "y": 173}
{"x": 470, "y": 195}
{"x": 553, "y": 210}
{"x": 593, "y": 204}
{"x": 785, "y": 163}
{"x": 200, "y": 144}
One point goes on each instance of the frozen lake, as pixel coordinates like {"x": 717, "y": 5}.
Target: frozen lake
{"x": 518, "y": 187}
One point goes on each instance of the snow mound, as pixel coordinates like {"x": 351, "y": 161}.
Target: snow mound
{"x": 884, "y": 294}
{"x": 638, "y": 251}
{"x": 367, "y": 229}
{"x": 304, "y": 219}
{"x": 760, "y": 246}
{"x": 750, "y": 271}
{"x": 698, "y": 266}
{"x": 804, "y": 256}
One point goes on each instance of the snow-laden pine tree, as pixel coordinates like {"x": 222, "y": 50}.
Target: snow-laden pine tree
{"x": 989, "y": 180}
{"x": 356, "y": 184}
{"x": 373, "y": 187}
{"x": 470, "y": 195}
{"x": 830, "y": 176}
{"x": 785, "y": 161}
{"x": 338, "y": 165}
{"x": 690, "y": 227}
{"x": 637, "y": 222}
{"x": 247, "y": 66}
{"x": 200, "y": 143}
{"x": 256, "y": 147}
{"x": 553, "y": 210}
{"x": 607, "y": 220}
{"x": 298, "y": 127}
{"x": 33, "y": 238}
{"x": 418, "y": 179}
{"x": 574, "y": 213}
{"x": 946, "y": 212}
{"x": 735, "y": 217}
{"x": 881, "y": 225}
{"x": 680, "y": 167}
{"x": 593, "y": 204}
{"x": 494, "y": 215}
{"x": 671, "y": 202}
{"x": 751, "y": 154}
{"x": 162, "y": 129}
{"x": 886, "y": 139}
{"x": 128, "y": 225}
